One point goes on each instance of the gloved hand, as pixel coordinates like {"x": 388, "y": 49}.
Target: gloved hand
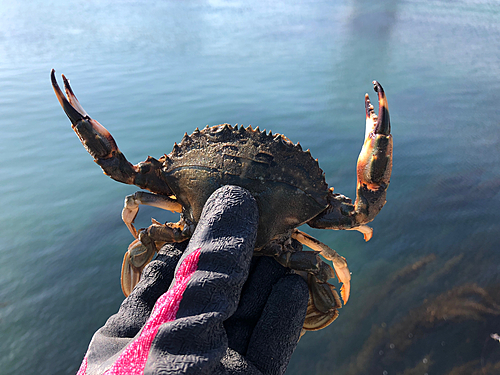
{"x": 211, "y": 320}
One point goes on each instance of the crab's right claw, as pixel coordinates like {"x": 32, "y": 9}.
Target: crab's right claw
{"x": 95, "y": 137}
{"x": 375, "y": 159}
{"x": 134, "y": 261}
{"x": 102, "y": 147}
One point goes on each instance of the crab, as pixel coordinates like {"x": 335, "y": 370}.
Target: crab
{"x": 287, "y": 183}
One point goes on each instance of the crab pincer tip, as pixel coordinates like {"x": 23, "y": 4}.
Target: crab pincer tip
{"x": 70, "y": 111}
{"x": 383, "y": 125}
{"x": 377, "y": 86}
{"x": 53, "y": 77}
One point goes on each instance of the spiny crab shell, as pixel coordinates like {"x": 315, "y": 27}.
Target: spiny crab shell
{"x": 287, "y": 183}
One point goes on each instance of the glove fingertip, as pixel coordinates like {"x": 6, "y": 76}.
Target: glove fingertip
{"x": 277, "y": 333}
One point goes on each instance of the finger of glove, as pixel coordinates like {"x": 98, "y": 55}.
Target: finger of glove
{"x": 120, "y": 328}
{"x": 136, "y": 308}
{"x": 233, "y": 363}
{"x": 265, "y": 272}
{"x": 191, "y": 337}
{"x": 277, "y": 333}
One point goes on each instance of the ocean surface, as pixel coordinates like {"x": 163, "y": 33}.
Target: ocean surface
{"x": 425, "y": 292}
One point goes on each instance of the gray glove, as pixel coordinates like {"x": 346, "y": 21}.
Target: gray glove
{"x": 211, "y": 320}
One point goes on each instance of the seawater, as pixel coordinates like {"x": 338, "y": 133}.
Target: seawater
{"x": 425, "y": 289}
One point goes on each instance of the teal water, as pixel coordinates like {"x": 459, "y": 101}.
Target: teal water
{"x": 425, "y": 290}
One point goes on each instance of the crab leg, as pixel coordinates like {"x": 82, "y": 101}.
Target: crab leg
{"x": 318, "y": 316}
{"x": 373, "y": 172}
{"x": 339, "y": 262}
{"x": 132, "y": 202}
{"x": 324, "y": 301}
{"x": 132, "y": 266}
{"x": 142, "y": 250}
{"x": 102, "y": 147}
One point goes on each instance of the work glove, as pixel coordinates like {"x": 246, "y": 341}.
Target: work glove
{"x": 204, "y": 306}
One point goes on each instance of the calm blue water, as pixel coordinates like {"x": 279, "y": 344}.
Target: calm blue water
{"x": 425, "y": 290}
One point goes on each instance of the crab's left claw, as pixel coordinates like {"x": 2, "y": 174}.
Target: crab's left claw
{"x": 374, "y": 173}
{"x": 375, "y": 160}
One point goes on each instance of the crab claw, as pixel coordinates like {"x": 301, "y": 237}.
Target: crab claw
{"x": 380, "y": 124}
{"x": 373, "y": 171}
{"x": 134, "y": 261}
{"x": 95, "y": 137}
{"x": 102, "y": 147}
{"x": 375, "y": 160}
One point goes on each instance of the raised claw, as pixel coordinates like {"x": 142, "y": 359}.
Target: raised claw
{"x": 96, "y": 138}
{"x": 373, "y": 172}
{"x": 375, "y": 160}
{"x": 102, "y": 147}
